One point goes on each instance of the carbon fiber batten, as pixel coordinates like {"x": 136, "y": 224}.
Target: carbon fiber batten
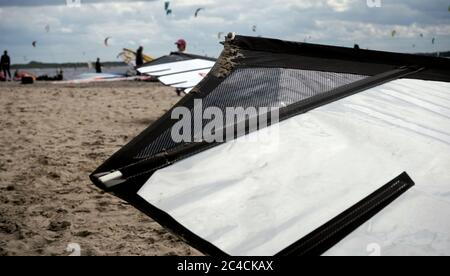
{"x": 329, "y": 234}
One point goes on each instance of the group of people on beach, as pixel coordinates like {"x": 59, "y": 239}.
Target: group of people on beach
{"x": 5, "y": 72}
{"x": 5, "y": 63}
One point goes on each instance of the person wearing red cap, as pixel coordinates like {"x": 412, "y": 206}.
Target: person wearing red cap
{"x": 181, "y": 45}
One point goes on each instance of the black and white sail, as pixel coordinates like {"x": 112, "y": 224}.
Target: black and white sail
{"x": 356, "y": 161}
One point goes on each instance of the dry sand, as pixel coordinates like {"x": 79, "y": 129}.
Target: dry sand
{"x": 51, "y": 138}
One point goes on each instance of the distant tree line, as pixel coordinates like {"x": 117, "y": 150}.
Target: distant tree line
{"x": 42, "y": 65}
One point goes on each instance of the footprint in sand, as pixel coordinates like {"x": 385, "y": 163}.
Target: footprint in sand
{"x": 83, "y": 234}
{"x": 54, "y": 175}
{"x": 10, "y": 188}
{"x": 57, "y": 226}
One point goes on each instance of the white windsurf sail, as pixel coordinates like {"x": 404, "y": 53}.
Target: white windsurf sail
{"x": 357, "y": 163}
{"x": 184, "y": 80}
{"x": 265, "y": 192}
{"x": 176, "y": 67}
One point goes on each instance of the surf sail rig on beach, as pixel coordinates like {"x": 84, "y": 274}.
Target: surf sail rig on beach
{"x": 102, "y": 77}
{"x": 179, "y": 70}
{"x": 355, "y": 162}
{"x": 129, "y": 57}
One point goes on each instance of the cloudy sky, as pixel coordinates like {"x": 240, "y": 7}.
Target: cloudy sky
{"x": 77, "y": 33}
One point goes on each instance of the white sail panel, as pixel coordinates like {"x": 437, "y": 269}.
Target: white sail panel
{"x": 256, "y": 198}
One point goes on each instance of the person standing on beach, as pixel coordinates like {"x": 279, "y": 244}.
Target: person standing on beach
{"x": 5, "y": 64}
{"x": 139, "y": 58}
{"x": 181, "y": 45}
{"x": 98, "y": 66}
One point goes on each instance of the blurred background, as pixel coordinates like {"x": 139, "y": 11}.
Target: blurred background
{"x": 57, "y": 31}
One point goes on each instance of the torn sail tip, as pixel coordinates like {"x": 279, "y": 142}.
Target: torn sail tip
{"x": 225, "y": 64}
{"x": 227, "y": 60}
{"x": 231, "y": 36}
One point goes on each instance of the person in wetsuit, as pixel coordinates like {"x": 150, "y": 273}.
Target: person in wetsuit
{"x": 140, "y": 56}
{"x": 5, "y": 64}
{"x": 98, "y": 66}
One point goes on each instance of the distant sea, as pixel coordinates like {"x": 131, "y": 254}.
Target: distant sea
{"x": 73, "y": 73}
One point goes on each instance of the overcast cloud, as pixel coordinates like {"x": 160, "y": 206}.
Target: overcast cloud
{"x": 77, "y": 33}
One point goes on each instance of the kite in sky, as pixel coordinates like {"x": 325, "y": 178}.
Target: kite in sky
{"x": 197, "y": 11}
{"x": 167, "y": 8}
{"x": 106, "y": 41}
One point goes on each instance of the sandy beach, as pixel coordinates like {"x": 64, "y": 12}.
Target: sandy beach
{"x": 52, "y": 138}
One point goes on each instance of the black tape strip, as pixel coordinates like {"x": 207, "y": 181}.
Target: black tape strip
{"x": 328, "y": 235}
